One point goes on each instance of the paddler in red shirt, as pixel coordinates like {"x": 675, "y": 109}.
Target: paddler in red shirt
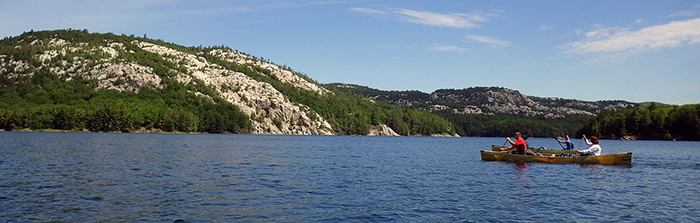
{"x": 519, "y": 144}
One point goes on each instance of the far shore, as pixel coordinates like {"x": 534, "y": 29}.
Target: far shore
{"x": 144, "y": 130}
{"x": 141, "y": 130}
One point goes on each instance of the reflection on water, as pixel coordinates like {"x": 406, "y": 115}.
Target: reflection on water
{"x": 78, "y": 177}
{"x": 593, "y": 169}
{"x": 522, "y": 175}
{"x": 521, "y": 167}
{"x": 524, "y": 189}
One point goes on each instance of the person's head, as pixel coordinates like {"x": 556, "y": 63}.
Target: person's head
{"x": 518, "y": 135}
{"x": 594, "y": 140}
{"x": 567, "y": 137}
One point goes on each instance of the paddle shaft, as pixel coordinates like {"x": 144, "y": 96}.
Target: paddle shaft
{"x": 562, "y": 147}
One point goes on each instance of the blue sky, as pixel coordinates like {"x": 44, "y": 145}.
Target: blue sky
{"x": 589, "y": 50}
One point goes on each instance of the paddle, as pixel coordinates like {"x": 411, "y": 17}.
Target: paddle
{"x": 562, "y": 147}
{"x": 504, "y": 146}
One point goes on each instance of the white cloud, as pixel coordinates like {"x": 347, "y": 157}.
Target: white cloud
{"x": 604, "y": 32}
{"x": 684, "y": 14}
{"x": 489, "y": 40}
{"x": 623, "y": 41}
{"x": 455, "y": 20}
{"x": 440, "y": 48}
{"x": 369, "y": 11}
{"x": 435, "y": 19}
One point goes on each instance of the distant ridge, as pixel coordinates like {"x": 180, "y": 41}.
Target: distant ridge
{"x": 494, "y": 111}
{"x": 485, "y": 100}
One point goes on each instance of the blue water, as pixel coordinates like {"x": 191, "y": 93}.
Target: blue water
{"x": 78, "y": 177}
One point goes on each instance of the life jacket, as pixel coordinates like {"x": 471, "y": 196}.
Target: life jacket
{"x": 569, "y": 145}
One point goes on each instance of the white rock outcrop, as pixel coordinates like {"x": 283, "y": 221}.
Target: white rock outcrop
{"x": 270, "y": 111}
{"x": 125, "y": 77}
{"x": 382, "y": 130}
{"x": 507, "y": 102}
{"x": 275, "y": 71}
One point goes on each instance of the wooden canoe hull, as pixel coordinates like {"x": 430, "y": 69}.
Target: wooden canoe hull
{"x": 541, "y": 151}
{"x": 605, "y": 159}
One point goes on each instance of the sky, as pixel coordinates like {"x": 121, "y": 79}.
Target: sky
{"x": 638, "y": 51}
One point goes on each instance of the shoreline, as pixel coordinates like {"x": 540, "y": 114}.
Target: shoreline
{"x": 158, "y": 131}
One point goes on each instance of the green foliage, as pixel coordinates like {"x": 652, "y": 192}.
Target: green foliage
{"x": 47, "y": 102}
{"x": 109, "y": 111}
{"x": 505, "y": 125}
{"x": 355, "y": 115}
{"x": 379, "y": 94}
{"x": 647, "y": 122}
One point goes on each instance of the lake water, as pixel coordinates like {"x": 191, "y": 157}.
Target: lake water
{"x": 78, "y": 177}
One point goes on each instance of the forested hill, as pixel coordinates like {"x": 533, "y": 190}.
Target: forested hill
{"x": 75, "y": 80}
{"x": 651, "y": 121}
{"x": 494, "y": 111}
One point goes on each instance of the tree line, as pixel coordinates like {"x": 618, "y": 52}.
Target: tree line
{"x": 647, "y": 122}
{"x": 499, "y": 125}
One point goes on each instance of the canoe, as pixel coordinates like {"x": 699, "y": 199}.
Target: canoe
{"x": 606, "y": 158}
{"x": 540, "y": 150}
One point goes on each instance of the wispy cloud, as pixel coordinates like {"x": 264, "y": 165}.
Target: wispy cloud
{"x": 684, "y": 14}
{"x": 489, "y": 40}
{"x": 618, "y": 41}
{"x": 454, "y": 20}
{"x": 546, "y": 27}
{"x": 369, "y": 11}
{"x": 440, "y": 48}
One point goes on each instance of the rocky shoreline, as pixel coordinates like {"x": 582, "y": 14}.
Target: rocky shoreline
{"x": 382, "y": 130}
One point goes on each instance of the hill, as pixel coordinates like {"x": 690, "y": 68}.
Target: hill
{"x": 76, "y": 80}
{"x": 494, "y": 111}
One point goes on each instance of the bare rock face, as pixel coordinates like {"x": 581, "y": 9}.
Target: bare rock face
{"x": 125, "y": 77}
{"x": 505, "y": 96}
{"x": 382, "y": 130}
{"x": 275, "y": 71}
{"x": 506, "y": 101}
